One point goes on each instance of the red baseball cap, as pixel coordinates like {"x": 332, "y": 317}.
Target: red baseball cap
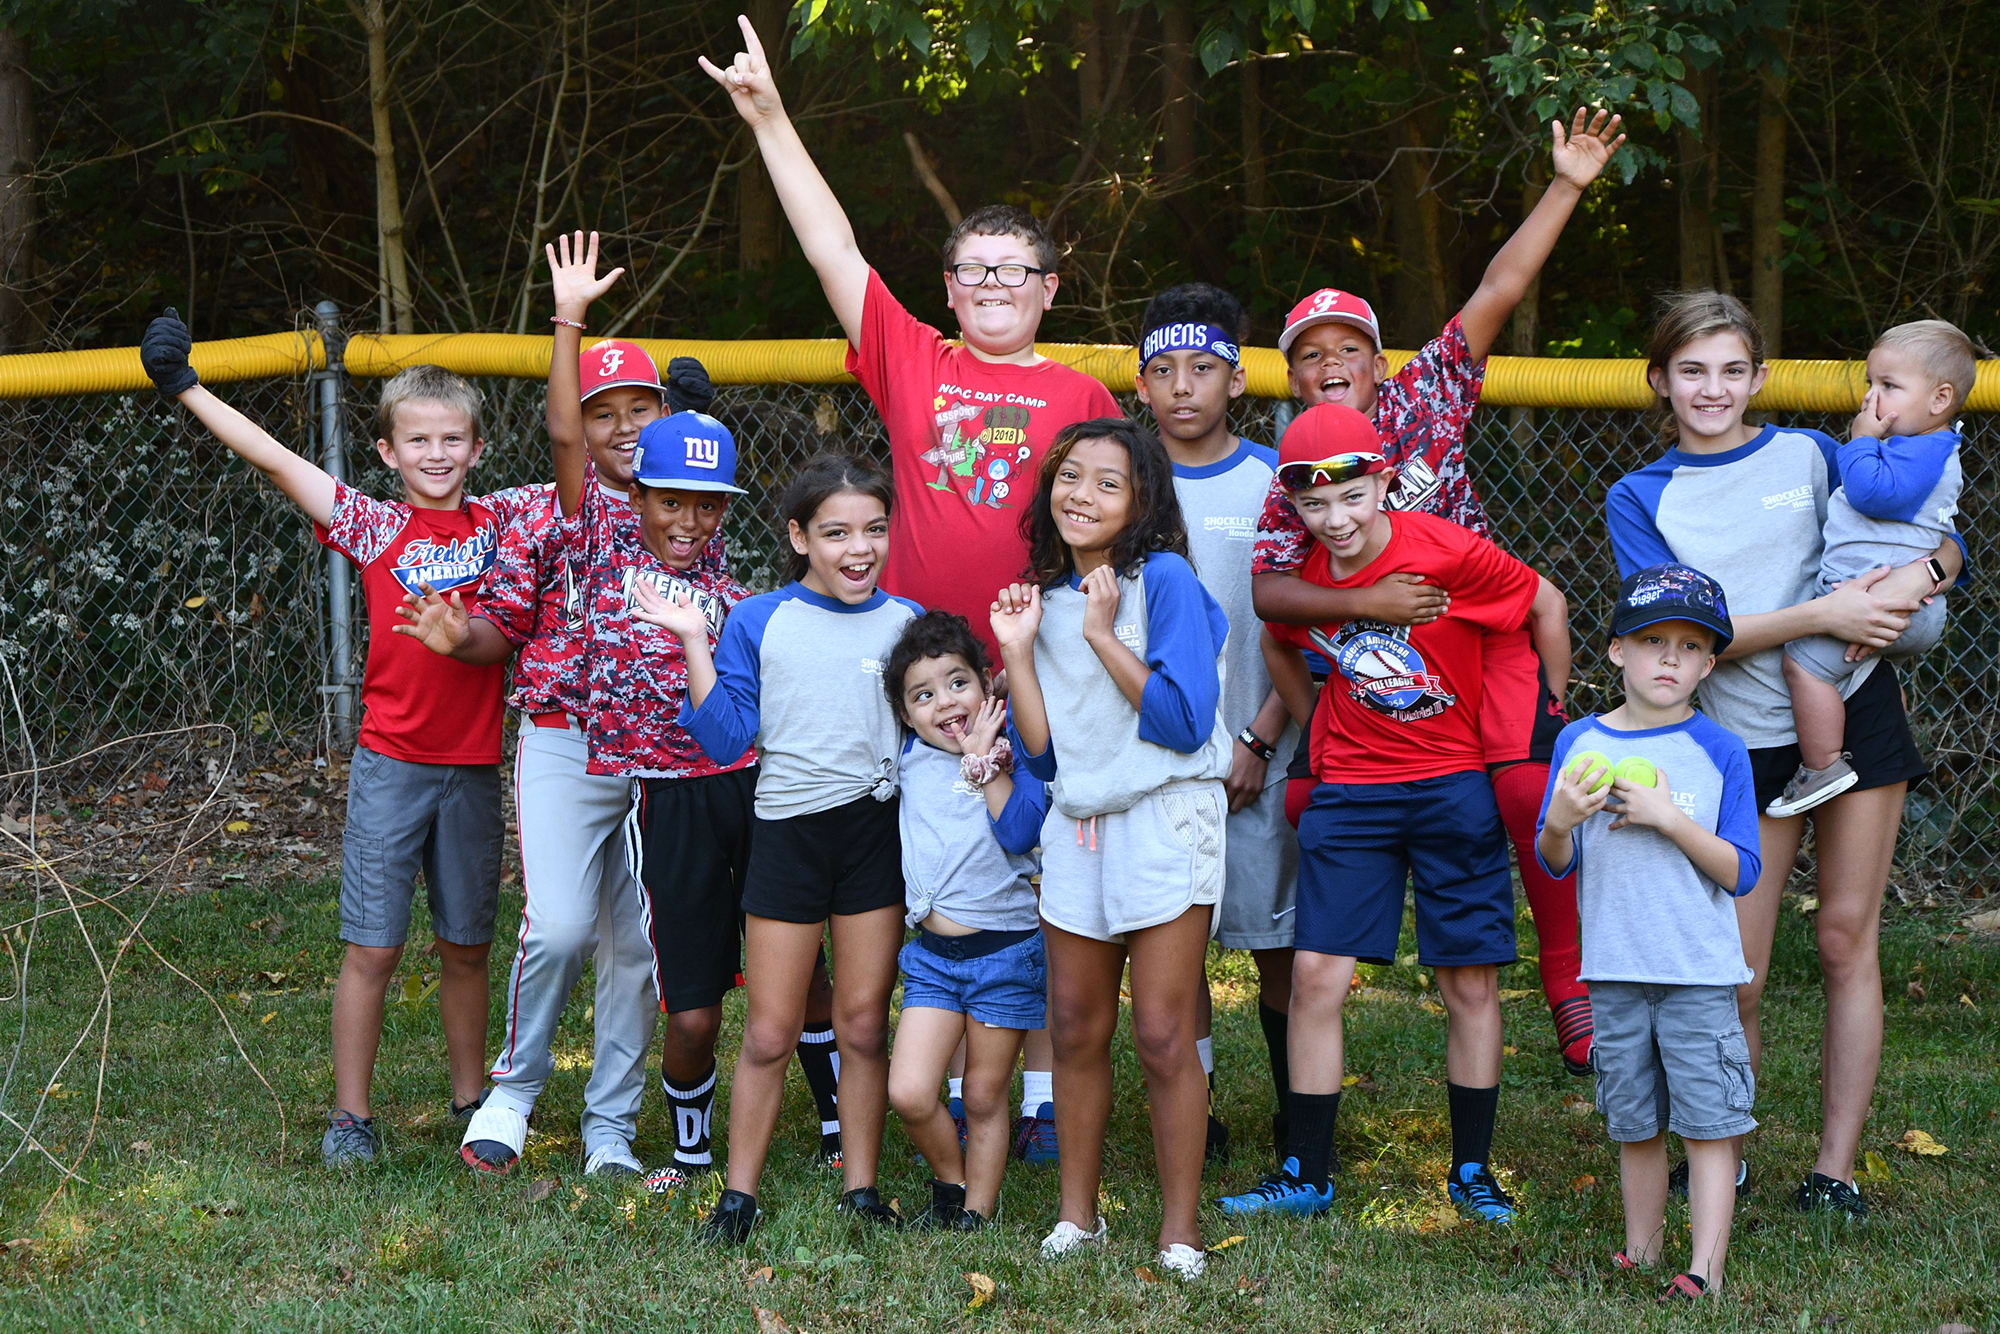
{"x": 614, "y": 363}
{"x": 1329, "y": 305}
{"x": 1326, "y": 444}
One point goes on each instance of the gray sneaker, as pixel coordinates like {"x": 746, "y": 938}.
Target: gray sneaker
{"x": 1810, "y": 787}
{"x": 349, "y": 1139}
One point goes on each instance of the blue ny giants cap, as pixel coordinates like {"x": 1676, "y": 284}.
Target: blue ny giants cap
{"x": 1671, "y": 593}
{"x": 686, "y": 451}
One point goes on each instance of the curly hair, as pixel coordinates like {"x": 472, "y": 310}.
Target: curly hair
{"x": 1155, "y": 523}
{"x": 935, "y": 634}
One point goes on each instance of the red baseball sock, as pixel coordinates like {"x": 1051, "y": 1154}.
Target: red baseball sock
{"x": 1518, "y": 789}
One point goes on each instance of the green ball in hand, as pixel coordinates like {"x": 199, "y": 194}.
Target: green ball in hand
{"x": 1636, "y": 770}
{"x": 1580, "y": 766}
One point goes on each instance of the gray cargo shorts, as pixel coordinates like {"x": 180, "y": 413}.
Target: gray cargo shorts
{"x": 1670, "y": 1058}
{"x": 442, "y": 820}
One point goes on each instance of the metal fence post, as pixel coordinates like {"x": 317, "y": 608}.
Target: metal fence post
{"x": 339, "y": 574}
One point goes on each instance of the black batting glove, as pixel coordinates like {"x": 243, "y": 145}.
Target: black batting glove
{"x": 164, "y": 353}
{"x": 688, "y": 387}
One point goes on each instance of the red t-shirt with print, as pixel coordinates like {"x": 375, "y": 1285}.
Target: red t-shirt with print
{"x": 1403, "y": 701}
{"x": 966, "y": 438}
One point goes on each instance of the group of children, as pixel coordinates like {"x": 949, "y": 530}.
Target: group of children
{"x": 1050, "y": 694}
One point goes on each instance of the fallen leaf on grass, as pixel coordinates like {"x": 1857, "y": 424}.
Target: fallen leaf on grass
{"x": 1515, "y": 993}
{"x": 1227, "y": 1242}
{"x": 21, "y": 1246}
{"x": 1578, "y": 1105}
{"x": 1245, "y": 1285}
{"x": 238, "y": 826}
{"x": 140, "y": 1146}
{"x": 1985, "y": 921}
{"x": 1509, "y": 1050}
{"x": 1874, "y": 1167}
{"x": 1439, "y": 1218}
{"x": 1146, "y": 1275}
{"x": 273, "y": 979}
{"x": 540, "y": 1189}
{"x": 1915, "y": 991}
{"x": 269, "y": 1017}
{"x": 763, "y": 1275}
{"x": 224, "y": 1209}
{"x": 770, "y": 1322}
{"x": 1582, "y": 1183}
{"x": 982, "y": 1291}
{"x": 1808, "y": 904}
{"x": 1920, "y": 1143}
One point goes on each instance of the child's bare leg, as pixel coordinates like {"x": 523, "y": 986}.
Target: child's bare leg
{"x": 1472, "y": 1024}
{"x": 687, "y": 1049}
{"x": 777, "y": 966}
{"x": 357, "y": 1022}
{"x": 1819, "y": 716}
{"x": 1317, "y": 1046}
{"x": 925, "y": 1041}
{"x": 1083, "y": 1014}
{"x": 989, "y": 1077}
{"x": 1642, "y": 1179}
{"x": 1711, "y": 1203}
{"x": 1167, "y": 983}
{"x": 864, "y": 973}
{"x": 462, "y": 1006}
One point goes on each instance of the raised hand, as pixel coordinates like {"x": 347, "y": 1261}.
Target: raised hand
{"x": 439, "y": 625}
{"x": 1578, "y": 156}
{"x": 674, "y": 611}
{"x": 1016, "y": 615}
{"x": 164, "y": 351}
{"x": 986, "y": 727}
{"x": 748, "y": 79}
{"x": 1404, "y": 598}
{"x": 1100, "y": 605}
{"x": 573, "y": 274}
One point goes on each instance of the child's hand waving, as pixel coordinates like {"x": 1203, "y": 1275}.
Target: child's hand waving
{"x": 1016, "y": 615}
{"x": 440, "y": 625}
{"x": 573, "y": 274}
{"x": 1100, "y": 605}
{"x": 748, "y": 79}
{"x": 1577, "y": 157}
{"x": 674, "y": 611}
{"x": 986, "y": 727}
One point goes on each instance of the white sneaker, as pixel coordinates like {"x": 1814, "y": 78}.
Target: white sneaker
{"x": 612, "y": 1159}
{"x": 1068, "y": 1236}
{"x": 1185, "y": 1262}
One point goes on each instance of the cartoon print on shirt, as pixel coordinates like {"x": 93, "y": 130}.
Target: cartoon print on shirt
{"x": 951, "y": 446}
{"x": 1001, "y": 442}
{"x": 1385, "y": 671}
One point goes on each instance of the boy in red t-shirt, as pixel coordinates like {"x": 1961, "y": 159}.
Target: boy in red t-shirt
{"x": 1402, "y": 795}
{"x": 423, "y": 789}
{"x": 1333, "y": 349}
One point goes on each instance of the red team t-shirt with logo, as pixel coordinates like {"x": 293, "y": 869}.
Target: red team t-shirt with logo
{"x": 1403, "y": 702}
{"x": 419, "y": 706}
{"x": 965, "y": 440}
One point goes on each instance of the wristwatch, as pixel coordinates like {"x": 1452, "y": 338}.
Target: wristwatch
{"x": 1935, "y": 569}
{"x": 1257, "y": 745}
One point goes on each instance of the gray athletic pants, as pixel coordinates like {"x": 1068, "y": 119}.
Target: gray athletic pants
{"x": 579, "y": 895}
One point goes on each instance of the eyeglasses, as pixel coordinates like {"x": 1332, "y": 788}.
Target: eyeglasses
{"x": 1330, "y": 471}
{"x": 975, "y": 275}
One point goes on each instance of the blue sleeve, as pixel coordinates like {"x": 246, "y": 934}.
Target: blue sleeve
{"x": 1736, "y": 812}
{"x": 727, "y": 722}
{"x": 1631, "y": 514}
{"x": 1890, "y": 478}
{"x": 1041, "y": 767}
{"x": 1564, "y": 743}
{"x": 1018, "y": 827}
{"x": 1185, "y": 631}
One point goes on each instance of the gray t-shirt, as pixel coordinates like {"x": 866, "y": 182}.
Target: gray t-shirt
{"x": 1647, "y": 914}
{"x": 957, "y": 859}
{"x": 1220, "y": 502}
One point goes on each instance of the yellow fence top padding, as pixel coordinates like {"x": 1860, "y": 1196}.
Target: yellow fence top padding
{"x": 1531, "y": 382}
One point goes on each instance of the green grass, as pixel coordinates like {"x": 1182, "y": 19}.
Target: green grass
{"x": 194, "y": 1218}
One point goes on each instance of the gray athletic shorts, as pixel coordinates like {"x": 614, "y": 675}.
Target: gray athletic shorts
{"x": 1263, "y": 876}
{"x": 402, "y": 818}
{"x": 1826, "y": 657}
{"x": 1106, "y": 875}
{"x": 1670, "y": 1058}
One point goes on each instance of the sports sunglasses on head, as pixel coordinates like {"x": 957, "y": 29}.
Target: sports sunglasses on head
{"x": 1330, "y": 471}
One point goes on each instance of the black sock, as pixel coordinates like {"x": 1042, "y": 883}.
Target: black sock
{"x": 1472, "y": 1112}
{"x": 1311, "y": 1136}
{"x": 693, "y": 1109}
{"x": 1277, "y": 1027}
{"x": 819, "y": 1057}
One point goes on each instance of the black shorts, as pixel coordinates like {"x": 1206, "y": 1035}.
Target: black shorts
{"x": 1878, "y": 740}
{"x": 807, "y": 868}
{"x": 688, "y": 842}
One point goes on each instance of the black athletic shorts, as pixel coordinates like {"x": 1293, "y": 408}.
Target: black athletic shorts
{"x": 1878, "y": 741}
{"x": 807, "y": 868}
{"x": 688, "y": 842}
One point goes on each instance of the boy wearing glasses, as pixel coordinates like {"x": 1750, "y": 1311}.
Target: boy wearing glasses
{"x": 1403, "y": 796}
{"x": 967, "y": 426}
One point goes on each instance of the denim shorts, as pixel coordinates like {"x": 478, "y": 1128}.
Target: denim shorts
{"x": 1670, "y": 1058}
{"x": 1005, "y": 989}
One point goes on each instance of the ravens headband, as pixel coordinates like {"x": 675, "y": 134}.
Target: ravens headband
{"x": 1189, "y": 337}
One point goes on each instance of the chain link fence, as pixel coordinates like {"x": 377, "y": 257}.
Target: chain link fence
{"x": 150, "y": 580}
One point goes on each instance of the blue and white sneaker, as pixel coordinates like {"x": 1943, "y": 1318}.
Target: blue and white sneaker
{"x": 1475, "y": 1191}
{"x": 1281, "y": 1193}
{"x": 1035, "y": 1136}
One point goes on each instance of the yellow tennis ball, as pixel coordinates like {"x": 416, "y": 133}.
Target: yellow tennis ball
{"x": 1582, "y": 763}
{"x": 1636, "y": 770}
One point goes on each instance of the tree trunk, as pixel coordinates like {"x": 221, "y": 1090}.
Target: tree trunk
{"x": 1250, "y": 92}
{"x": 1177, "y": 96}
{"x": 19, "y": 327}
{"x": 1700, "y": 153}
{"x": 1421, "y": 289}
{"x": 1767, "y": 201}
{"x": 397, "y": 312}
{"x": 760, "y": 220}
{"x": 1089, "y": 70}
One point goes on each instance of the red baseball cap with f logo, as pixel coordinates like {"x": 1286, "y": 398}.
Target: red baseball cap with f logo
{"x": 1329, "y": 305}
{"x": 614, "y": 363}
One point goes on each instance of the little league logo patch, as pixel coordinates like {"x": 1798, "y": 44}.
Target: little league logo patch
{"x": 445, "y": 565}
{"x": 1384, "y": 670}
